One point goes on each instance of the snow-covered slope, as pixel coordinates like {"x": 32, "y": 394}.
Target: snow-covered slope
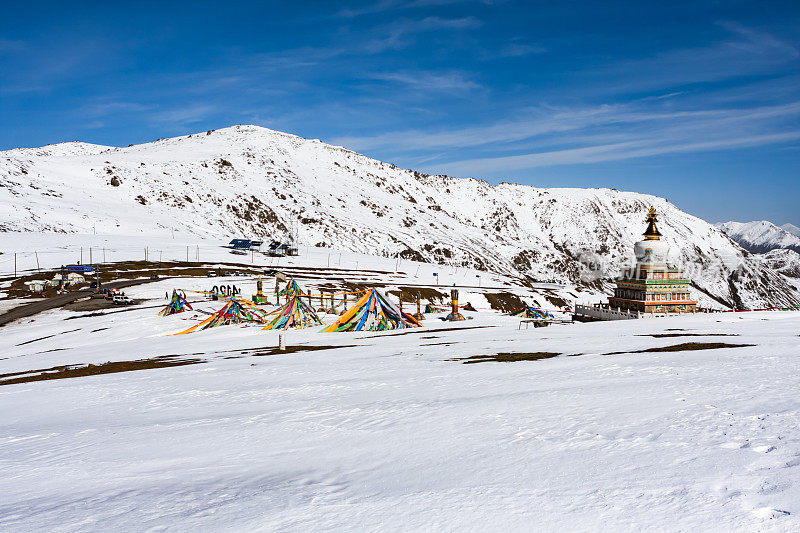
{"x": 761, "y": 236}
{"x": 787, "y": 262}
{"x": 791, "y": 228}
{"x": 393, "y": 432}
{"x": 248, "y": 181}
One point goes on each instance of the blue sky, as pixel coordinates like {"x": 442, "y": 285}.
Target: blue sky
{"x": 695, "y": 101}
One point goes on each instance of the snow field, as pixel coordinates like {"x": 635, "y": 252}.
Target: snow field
{"x": 389, "y": 433}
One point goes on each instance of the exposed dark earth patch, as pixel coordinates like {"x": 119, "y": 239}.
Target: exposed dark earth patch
{"x": 47, "y": 337}
{"x": 504, "y": 301}
{"x": 260, "y": 352}
{"x": 666, "y": 335}
{"x": 685, "y": 347}
{"x": 90, "y": 304}
{"x": 424, "y": 330}
{"x": 506, "y": 357}
{"x": 438, "y": 344}
{"x": 111, "y": 367}
{"x": 90, "y": 315}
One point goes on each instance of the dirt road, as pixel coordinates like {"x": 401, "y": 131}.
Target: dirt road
{"x": 60, "y": 300}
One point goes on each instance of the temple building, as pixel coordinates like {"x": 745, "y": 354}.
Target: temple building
{"x": 652, "y": 286}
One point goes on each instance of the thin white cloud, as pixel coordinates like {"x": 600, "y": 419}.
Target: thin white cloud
{"x": 514, "y": 49}
{"x": 745, "y": 52}
{"x": 556, "y": 123}
{"x": 182, "y": 116}
{"x": 603, "y": 153}
{"x": 107, "y": 108}
{"x": 8, "y": 45}
{"x": 428, "y": 81}
{"x": 382, "y": 6}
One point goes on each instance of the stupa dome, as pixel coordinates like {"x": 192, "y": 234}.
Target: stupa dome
{"x": 651, "y": 250}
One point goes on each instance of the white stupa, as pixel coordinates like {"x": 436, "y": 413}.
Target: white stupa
{"x": 652, "y": 286}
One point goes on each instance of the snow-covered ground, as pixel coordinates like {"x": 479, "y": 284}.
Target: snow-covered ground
{"x": 48, "y": 250}
{"x": 388, "y": 432}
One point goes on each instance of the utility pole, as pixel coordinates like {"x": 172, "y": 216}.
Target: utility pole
{"x": 37, "y": 261}
{"x": 81, "y": 254}
{"x": 15, "y": 264}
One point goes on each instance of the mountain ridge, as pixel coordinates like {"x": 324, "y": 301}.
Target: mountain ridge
{"x": 252, "y": 181}
{"x": 761, "y": 236}
{"x": 791, "y": 228}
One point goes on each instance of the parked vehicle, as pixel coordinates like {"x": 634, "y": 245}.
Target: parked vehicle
{"x": 121, "y": 299}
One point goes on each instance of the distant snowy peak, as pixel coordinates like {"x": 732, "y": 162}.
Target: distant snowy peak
{"x": 761, "y": 236}
{"x": 791, "y": 228}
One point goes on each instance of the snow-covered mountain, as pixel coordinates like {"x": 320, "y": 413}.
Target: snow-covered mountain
{"x": 787, "y": 262}
{"x": 761, "y": 236}
{"x": 251, "y": 181}
{"x": 791, "y": 228}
